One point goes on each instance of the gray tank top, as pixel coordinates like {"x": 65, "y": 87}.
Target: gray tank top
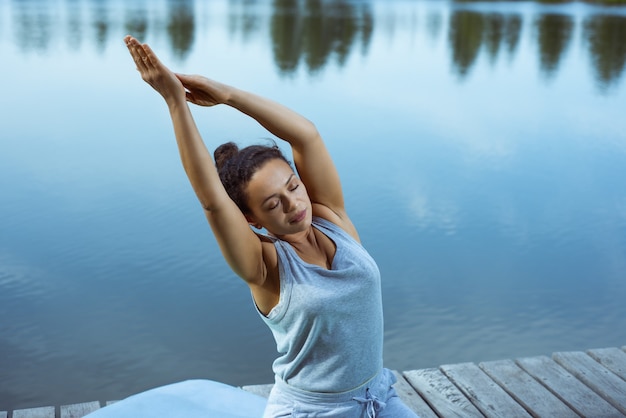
{"x": 328, "y": 324}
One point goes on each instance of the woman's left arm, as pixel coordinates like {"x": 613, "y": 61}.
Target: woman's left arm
{"x": 313, "y": 161}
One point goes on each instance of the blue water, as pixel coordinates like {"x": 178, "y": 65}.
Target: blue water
{"x": 482, "y": 149}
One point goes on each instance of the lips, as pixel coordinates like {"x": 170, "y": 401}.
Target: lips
{"x": 299, "y": 217}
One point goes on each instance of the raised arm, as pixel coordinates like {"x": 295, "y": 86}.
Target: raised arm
{"x": 240, "y": 246}
{"x": 312, "y": 160}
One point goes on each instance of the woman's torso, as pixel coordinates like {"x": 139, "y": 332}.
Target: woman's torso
{"x": 328, "y": 322}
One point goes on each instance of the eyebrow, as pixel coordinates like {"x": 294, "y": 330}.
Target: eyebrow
{"x": 273, "y": 195}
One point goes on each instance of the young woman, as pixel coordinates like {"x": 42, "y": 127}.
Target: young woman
{"x": 313, "y": 283}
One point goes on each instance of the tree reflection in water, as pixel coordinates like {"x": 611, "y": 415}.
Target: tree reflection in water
{"x": 502, "y": 30}
{"x": 314, "y": 30}
{"x": 33, "y": 23}
{"x": 100, "y": 23}
{"x": 181, "y": 26}
{"x": 606, "y": 39}
{"x": 554, "y": 34}
{"x": 466, "y": 38}
{"x": 311, "y": 34}
{"x": 136, "y": 20}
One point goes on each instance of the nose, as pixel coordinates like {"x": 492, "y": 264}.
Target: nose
{"x": 289, "y": 204}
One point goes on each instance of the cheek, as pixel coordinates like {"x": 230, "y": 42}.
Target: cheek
{"x": 302, "y": 193}
{"x": 273, "y": 217}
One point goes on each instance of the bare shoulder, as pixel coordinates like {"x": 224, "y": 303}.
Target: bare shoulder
{"x": 339, "y": 218}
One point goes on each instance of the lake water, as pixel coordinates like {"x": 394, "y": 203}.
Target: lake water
{"x": 482, "y": 149}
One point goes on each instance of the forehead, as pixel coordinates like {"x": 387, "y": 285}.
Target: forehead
{"x": 269, "y": 178}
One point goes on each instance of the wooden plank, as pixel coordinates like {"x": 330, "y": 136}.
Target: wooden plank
{"x": 261, "y": 390}
{"x": 566, "y": 387}
{"x": 4, "y": 414}
{"x": 411, "y": 398}
{"x": 483, "y": 392}
{"x": 441, "y": 394}
{"x": 43, "y": 412}
{"x": 529, "y": 393}
{"x": 79, "y": 410}
{"x": 597, "y": 377}
{"x": 613, "y": 359}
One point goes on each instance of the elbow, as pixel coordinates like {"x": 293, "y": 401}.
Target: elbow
{"x": 211, "y": 205}
{"x": 211, "y": 202}
{"x": 312, "y": 132}
{"x": 208, "y": 207}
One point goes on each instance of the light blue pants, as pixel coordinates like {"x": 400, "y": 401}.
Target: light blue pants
{"x": 374, "y": 399}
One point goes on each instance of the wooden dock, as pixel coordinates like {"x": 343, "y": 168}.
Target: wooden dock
{"x": 567, "y": 384}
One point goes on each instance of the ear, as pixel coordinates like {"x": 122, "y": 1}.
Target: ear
{"x": 253, "y": 222}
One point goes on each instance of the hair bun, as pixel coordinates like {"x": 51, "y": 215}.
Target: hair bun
{"x": 225, "y": 152}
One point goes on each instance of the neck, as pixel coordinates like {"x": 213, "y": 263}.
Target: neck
{"x": 300, "y": 240}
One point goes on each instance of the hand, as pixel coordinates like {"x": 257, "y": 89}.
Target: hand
{"x": 154, "y": 72}
{"x": 203, "y": 91}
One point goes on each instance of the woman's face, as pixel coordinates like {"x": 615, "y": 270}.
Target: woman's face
{"x": 278, "y": 199}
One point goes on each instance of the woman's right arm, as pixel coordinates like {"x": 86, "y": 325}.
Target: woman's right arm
{"x": 240, "y": 246}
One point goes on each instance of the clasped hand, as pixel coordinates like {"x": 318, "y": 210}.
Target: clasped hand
{"x": 196, "y": 89}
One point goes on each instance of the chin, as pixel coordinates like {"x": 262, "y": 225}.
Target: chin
{"x": 301, "y": 226}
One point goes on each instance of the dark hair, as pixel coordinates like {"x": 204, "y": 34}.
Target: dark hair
{"x": 237, "y": 166}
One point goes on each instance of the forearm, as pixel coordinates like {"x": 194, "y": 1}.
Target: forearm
{"x": 312, "y": 160}
{"x": 276, "y": 118}
{"x": 195, "y": 157}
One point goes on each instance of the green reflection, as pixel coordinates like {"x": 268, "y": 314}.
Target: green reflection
{"x": 311, "y": 34}
{"x": 285, "y": 35}
{"x": 470, "y": 31}
{"x": 502, "y": 31}
{"x": 554, "y": 33}
{"x": 434, "y": 22}
{"x": 606, "y": 38}
{"x": 33, "y": 25}
{"x": 100, "y": 23}
{"x": 181, "y": 26}
{"x": 74, "y": 24}
{"x": 466, "y": 37}
{"x": 244, "y": 18}
{"x": 494, "y": 30}
{"x": 512, "y": 32}
{"x": 136, "y": 21}
{"x": 313, "y": 31}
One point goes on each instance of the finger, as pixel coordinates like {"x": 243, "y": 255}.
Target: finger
{"x": 150, "y": 56}
{"x": 139, "y": 53}
{"x": 141, "y": 59}
{"x": 135, "y": 51}
{"x": 187, "y": 80}
{"x": 139, "y": 49}
{"x": 183, "y": 79}
{"x": 140, "y": 63}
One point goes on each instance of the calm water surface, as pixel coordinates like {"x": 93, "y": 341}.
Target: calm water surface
{"x": 482, "y": 149}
